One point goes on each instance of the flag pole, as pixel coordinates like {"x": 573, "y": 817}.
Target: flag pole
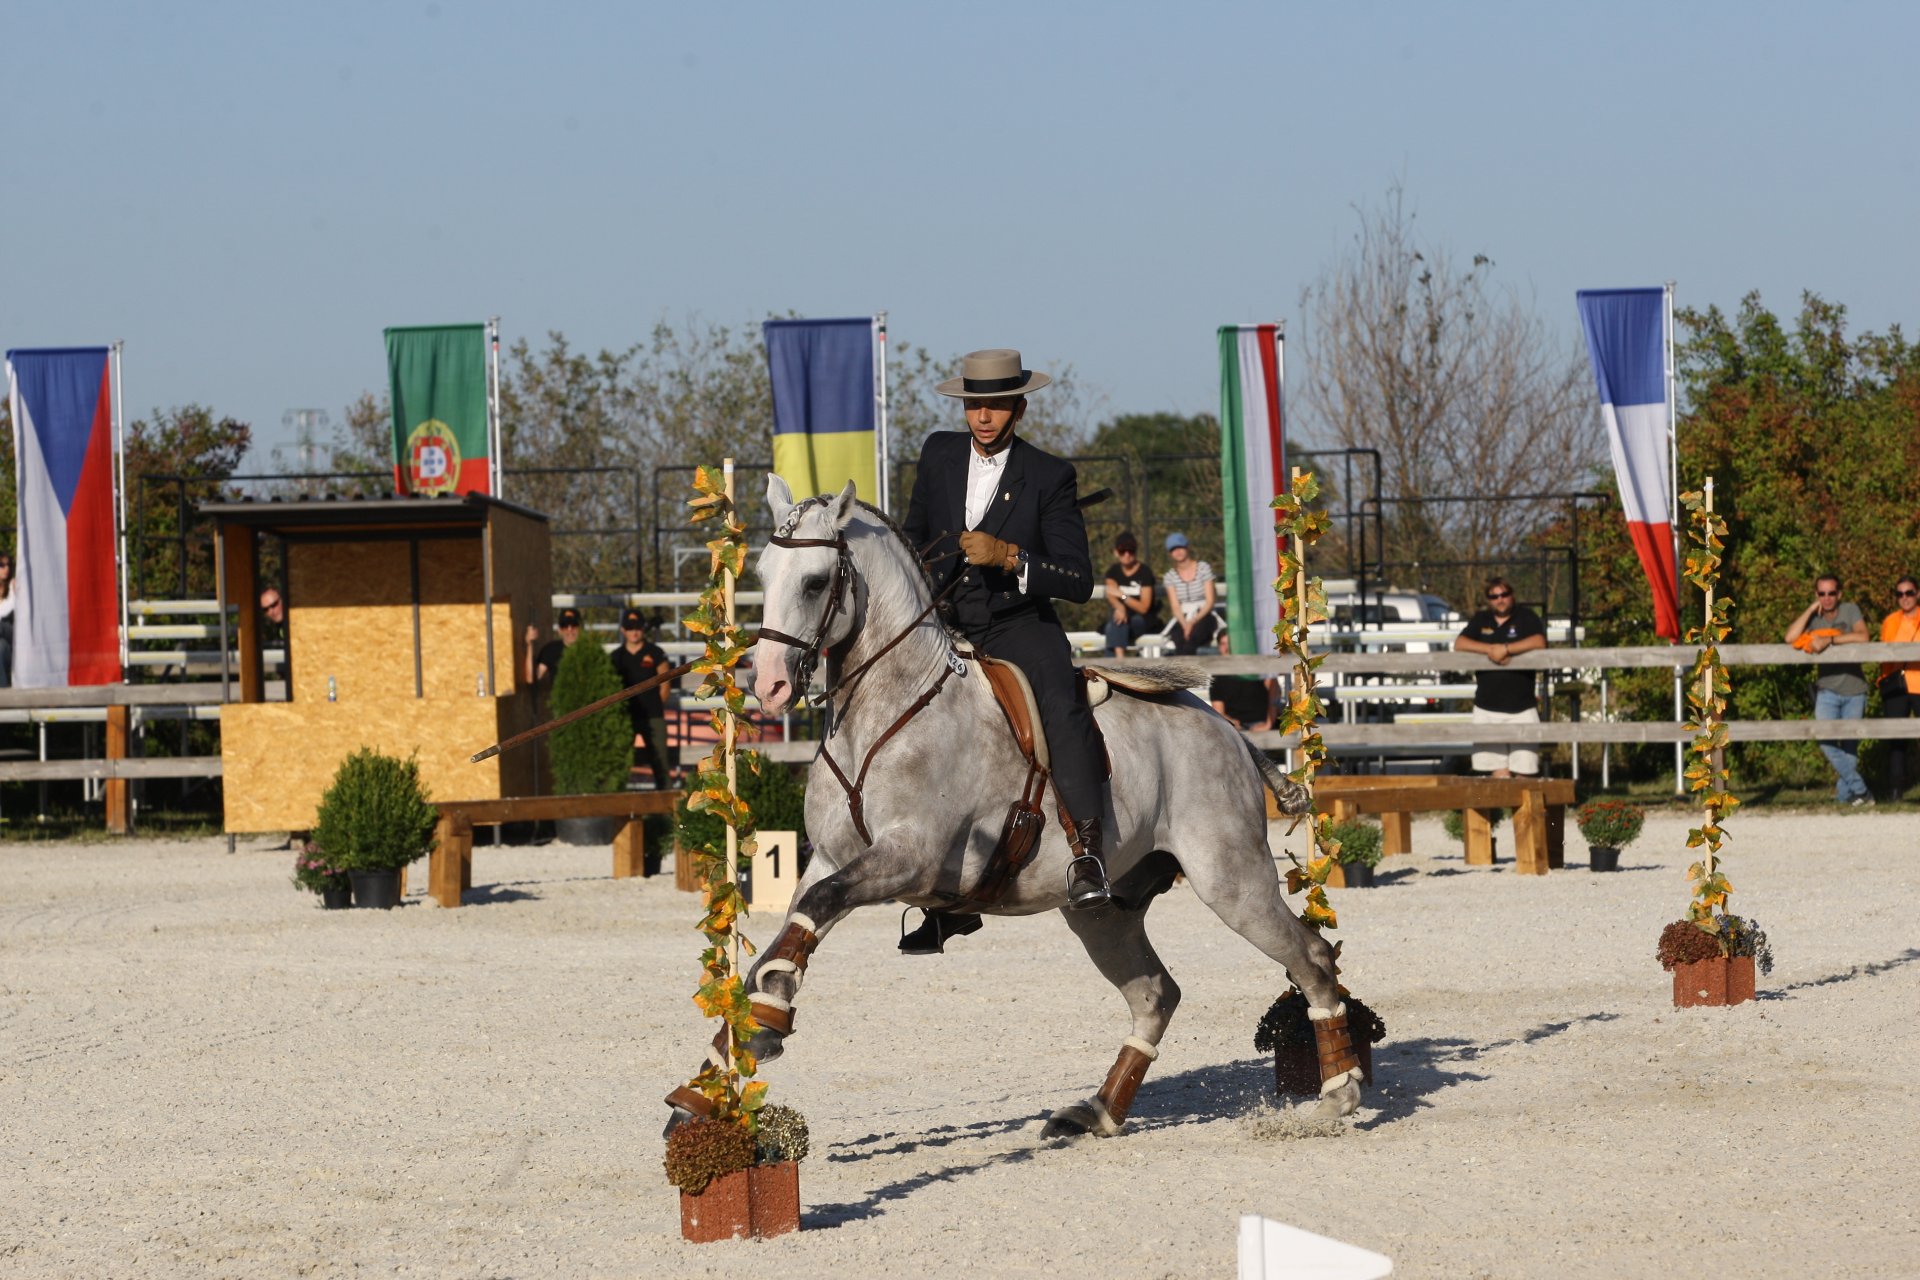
{"x": 496, "y": 463}
{"x": 1673, "y": 525}
{"x": 120, "y": 499}
{"x": 882, "y": 441}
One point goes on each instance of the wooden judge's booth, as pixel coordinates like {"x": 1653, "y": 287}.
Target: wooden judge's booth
{"x": 404, "y": 619}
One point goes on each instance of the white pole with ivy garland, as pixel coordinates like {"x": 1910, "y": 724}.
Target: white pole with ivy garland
{"x": 731, "y": 615}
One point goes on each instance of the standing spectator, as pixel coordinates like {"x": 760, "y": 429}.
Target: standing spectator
{"x": 273, "y": 634}
{"x": 1500, "y": 631}
{"x": 639, "y": 659}
{"x": 1900, "y": 681}
{"x": 1134, "y": 610}
{"x": 1190, "y": 587}
{"x": 540, "y": 665}
{"x": 1840, "y": 690}
{"x": 6, "y": 621}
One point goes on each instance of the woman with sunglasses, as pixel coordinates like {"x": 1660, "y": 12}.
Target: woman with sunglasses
{"x": 1900, "y": 681}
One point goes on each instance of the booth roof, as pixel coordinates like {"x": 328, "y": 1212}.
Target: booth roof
{"x": 315, "y": 513}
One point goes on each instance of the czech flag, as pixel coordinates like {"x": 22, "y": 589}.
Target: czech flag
{"x": 823, "y": 404}
{"x": 1626, "y": 336}
{"x": 66, "y": 622}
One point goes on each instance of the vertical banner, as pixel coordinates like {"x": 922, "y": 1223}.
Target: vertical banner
{"x": 66, "y": 616}
{"x": 1626, "y": 336}
{"x": 441, "y": 420}
{"x": 1253, "y": 469}
{"x": 823, "y": 404}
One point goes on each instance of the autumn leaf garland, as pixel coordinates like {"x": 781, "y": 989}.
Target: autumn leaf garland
{"x": 1706, "y": 771}
{"x": 1303, "y": 602}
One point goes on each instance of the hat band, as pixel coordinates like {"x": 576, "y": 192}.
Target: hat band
{"x": 993, "y": 386}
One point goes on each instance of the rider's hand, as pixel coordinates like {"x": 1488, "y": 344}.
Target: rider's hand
{"x": 983, "y": 548}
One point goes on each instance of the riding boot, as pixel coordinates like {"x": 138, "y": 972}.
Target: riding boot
{"x": 1087, "y": 873}
{"x": 930, "y": 939}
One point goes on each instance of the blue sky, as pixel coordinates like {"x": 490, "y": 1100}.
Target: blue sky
{"x": 248, "y": 193}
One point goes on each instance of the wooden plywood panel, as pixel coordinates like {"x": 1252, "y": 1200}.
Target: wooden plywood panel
{"x": 523, "y": 584}
{"x": 350, "y": 616}
{"x": 279, "y": 757}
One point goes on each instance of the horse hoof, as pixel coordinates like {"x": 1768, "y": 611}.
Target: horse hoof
{"x": 1060, "y": 1127}
{"x": 1080, "y": 1120}
{"x": 1338, "y": 1105}
{"x": 675, "y": 1118}
{"x": 767, "y": 1045}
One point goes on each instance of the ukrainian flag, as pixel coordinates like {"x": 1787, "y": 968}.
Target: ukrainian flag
{"x": 823, "y": 404}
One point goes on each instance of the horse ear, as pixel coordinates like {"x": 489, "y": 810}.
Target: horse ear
{"x": 842, "y": 507}
{"x": 779, "y": 498}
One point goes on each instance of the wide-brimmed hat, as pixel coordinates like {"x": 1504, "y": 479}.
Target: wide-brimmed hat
{"x": 992, "y": 373}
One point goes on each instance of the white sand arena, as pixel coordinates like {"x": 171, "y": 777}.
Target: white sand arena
{"x": 204, "y": 1074}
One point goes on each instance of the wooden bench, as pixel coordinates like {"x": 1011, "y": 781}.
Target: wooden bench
{"x": 450, "y": 865}
{"x": 1539, "y": 811}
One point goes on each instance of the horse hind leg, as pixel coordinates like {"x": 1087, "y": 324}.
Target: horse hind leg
{"x": 1116, "y": 941}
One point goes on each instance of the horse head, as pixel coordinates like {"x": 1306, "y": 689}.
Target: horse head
{"x": 807, "y": 575}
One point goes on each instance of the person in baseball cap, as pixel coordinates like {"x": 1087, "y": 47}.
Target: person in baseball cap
{"x": 638, "y": 660}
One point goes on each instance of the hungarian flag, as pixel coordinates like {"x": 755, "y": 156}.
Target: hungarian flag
{"x": 66, "y": 614}
{"x": 1626, "y": 336}
{"x": 1253, "y": 468}
{"x": 823, "y": 404}
{"x": 439, "y": 378}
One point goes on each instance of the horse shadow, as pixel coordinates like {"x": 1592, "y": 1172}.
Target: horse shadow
{"x": 486, "y": 895}
{"x": 1872, "y": 970}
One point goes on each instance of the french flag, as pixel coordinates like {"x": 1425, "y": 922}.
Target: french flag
{"x": 66, "y": 624}
{"x": 1626, "y": 336}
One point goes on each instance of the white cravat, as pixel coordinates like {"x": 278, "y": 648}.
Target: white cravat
{"x": 983, "y": 480}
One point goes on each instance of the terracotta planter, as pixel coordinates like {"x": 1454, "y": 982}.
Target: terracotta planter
{"x": 761, "y": 1201}
{"x": 1721, "y": 980}
{"x": 1296, "y": 1068}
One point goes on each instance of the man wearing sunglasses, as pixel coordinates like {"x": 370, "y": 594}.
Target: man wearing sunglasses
{"x": 1500, "y": 631}
{"x": 1840, "y": 689}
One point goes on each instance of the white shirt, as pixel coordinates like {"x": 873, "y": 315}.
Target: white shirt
{"x": 983, "y": 482}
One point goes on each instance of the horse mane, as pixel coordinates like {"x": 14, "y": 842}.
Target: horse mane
{"x": 887, "y": 522}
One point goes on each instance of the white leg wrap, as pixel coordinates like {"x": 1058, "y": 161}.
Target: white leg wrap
{"x": 804, "y": 922}
{"x": 1330, "y": 1086}
{"x": 781, "y": 965}
{"x": 1135, "y": 1042}
{"x": 1321, "y": 1015}
{"x": 772, "y": 1002}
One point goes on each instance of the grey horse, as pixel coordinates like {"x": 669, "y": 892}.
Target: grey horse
{"x": 1186, "y": 797}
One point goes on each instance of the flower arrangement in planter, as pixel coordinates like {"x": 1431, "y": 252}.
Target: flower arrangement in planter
{"x": 593, "y": 756}
{"x": 736, "y": 1165}
{"x": 1712, "y": 952}
{"x": 373, "y": 820}
{"x": 1356, "y": 851}
{"x": 318, "y": 876}
{"x": 1286, "y": 1032}
{"x": 1608, "y": 826}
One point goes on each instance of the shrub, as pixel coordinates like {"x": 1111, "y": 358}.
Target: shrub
{"x": 1456, "y": 826}
{"x": 1611, "y": 824}
{"x": 1285, "y": 1023}
{"x": 1685, "y": 941}
{"x": 375, "y": 816}
{"x": 1359, "y": 842}
{"x": 701, "y": 1150}
{"x": 594, "y": 755}
{"x": 313, "y": 872}
{"x": 775, "y": 794}
{"x": 783, "y": 1135}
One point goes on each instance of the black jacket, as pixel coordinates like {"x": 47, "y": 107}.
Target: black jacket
{"x": 1036, "y": 509}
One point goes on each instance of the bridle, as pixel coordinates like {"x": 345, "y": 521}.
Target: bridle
{"x": 836, "y": 598}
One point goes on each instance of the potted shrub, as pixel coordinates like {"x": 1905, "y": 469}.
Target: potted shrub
{"x": 1712, "y": 960}
{"x": 735, "y": 1183}
{"x": 318, "y": 876}
{"x": 1454, "y": 823}
{"x": 1359, "y": 853}
{"x": 593, "y": 756}
{"x": 775, "y": 794}
{"x": 1608, "y": 826}
{"x": 1286, "y": 1032}
{"x": 374, "y": 820}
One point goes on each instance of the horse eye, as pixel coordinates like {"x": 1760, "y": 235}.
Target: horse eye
{"x": 813, "y": 586}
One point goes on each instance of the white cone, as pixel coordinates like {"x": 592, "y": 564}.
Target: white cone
{"x": 1275, "y": 1251}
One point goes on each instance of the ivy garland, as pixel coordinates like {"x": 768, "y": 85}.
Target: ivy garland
{"x": 1303, "y": 602}
{"x": 722, "y": 992}
{"x": 1706, "y": 772}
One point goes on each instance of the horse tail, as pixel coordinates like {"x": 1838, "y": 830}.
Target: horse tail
{"x": 1292, "y": 797}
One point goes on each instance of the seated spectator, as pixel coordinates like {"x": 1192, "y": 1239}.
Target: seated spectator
{"x": 1133, "y": 604}
{"x": 1190, "y": 588}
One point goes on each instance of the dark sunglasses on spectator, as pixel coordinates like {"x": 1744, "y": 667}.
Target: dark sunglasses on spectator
{"x": 1826, "y": 593}
{"x": 1499, "y": 595}
{"x": 1906, "y": 591}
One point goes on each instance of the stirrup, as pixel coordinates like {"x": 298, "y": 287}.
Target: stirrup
{"x": 1088, "y": 890}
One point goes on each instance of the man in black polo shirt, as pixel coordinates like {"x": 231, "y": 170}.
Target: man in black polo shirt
{"x": 1500, "y": 631}
{"x": 637, "y": 660}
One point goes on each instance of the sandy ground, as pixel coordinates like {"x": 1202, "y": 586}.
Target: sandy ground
{"x": 202, "y": 1073}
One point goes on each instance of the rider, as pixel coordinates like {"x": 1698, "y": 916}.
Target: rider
{"x": 1011, "y": 511}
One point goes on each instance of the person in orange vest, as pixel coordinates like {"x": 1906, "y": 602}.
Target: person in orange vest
{"x": 1900, "y": 681}
{"x": 1840, "y": 690}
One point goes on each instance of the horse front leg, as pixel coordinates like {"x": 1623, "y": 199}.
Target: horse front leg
{"x": 821, "y": 901}
{"x": 1116, "y": 941}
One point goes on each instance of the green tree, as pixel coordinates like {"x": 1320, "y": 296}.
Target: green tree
{"x": 593, "y": 755}
{"x": 175, "y": 459}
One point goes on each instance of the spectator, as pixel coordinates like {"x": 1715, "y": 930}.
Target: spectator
{"x": 1840, "y": 690}
{"x": 1900, "y": 681}
{"x": 638, "y": 659}
{"x": 1245, "y": 700}
{"x": 1190, "y": 587}
{"x": 1499, "y": 631}
{"x": 1134, "y": 611}
{"x": 540, "y": 665}
{"x": 6, "y": 621}
{"x": 273, "y": 634}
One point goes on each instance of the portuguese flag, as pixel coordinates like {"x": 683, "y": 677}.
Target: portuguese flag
{"x": 439, "y": 379}
{"x": 1253, "y": 460}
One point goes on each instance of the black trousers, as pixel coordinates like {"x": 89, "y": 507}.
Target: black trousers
{"x": 1899, "y": 707}
{"x": 1040, "y": 649}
